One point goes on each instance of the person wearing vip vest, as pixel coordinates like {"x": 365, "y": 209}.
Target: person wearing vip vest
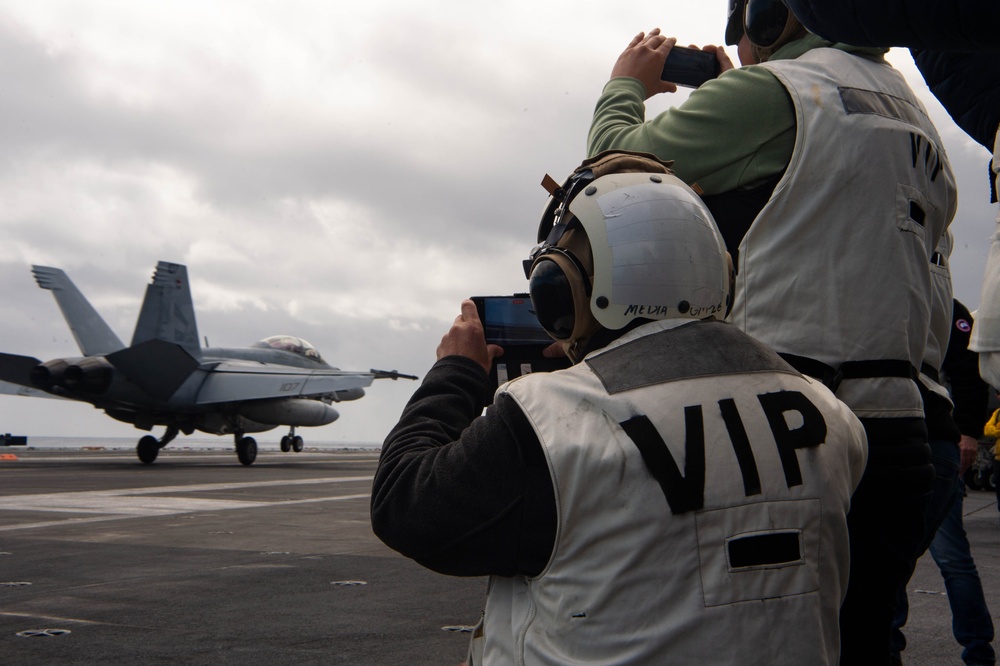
{"x": 678, "y": 495}
{"x": 956, "y": 46}
{"x": 831, "y": 185}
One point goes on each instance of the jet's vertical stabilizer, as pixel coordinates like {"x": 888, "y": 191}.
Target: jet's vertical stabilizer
{"x": 167, "y": 312}
{"x": 93, "y": 335}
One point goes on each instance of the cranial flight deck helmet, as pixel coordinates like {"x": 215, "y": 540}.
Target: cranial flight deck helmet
{"x": 765, "y": 22}
{"x": 623, "y": 241}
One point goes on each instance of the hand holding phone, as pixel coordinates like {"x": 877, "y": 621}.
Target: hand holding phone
{"x": 690, "y": 67}
{"x": 465, "y": 338}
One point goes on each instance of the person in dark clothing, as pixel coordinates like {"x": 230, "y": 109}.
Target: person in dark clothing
{"x": 629, "y": 507}
{"x": 954, "y": 439}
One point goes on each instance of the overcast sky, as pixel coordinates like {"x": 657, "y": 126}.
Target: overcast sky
{"x": 344, "y": 172}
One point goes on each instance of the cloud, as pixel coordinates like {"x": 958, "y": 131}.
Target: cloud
{"x": 345, "y": 172}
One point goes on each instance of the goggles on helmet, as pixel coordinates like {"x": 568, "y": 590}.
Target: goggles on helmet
{"x": 556, "y": 216}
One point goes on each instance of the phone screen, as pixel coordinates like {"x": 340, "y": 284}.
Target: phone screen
{"x": 689, "y": 67}
{"x": 510, "y": 322}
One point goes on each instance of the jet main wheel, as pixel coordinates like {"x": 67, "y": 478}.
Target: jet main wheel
{"x": 286, "y": 444}
{"x": 297, "y": 444}
{"x": 147, "y": 448}
{"x": 246, "y": 450}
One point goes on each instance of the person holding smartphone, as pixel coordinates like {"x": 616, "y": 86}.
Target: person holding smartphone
{"x": 678, "y": 495}
{"x": 956, "y": 47}
{"x": 832, "y": 189}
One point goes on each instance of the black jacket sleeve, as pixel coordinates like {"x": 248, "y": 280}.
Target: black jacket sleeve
{"x": 968, "y": 86}
{"x": 968, "y": 390}
{"x": 463, "y": 495}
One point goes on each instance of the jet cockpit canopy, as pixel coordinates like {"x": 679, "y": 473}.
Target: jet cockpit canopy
{"x": 289, "y": 343}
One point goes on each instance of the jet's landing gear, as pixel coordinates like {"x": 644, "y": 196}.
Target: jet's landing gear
{"x": 149, "y": 447}
{"x": 292, "y": 442}
{"x": 246, "y": 448}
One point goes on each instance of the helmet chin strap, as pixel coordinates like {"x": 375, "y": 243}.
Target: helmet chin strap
{"x": 576, "y": 347}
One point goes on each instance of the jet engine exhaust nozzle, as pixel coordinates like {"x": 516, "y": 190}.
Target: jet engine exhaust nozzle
{"x": 91, "y": 375}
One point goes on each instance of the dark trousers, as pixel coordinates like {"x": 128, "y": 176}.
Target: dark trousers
{"x": 886, "y": 525}
{"x": 949, "y": 547}
{"x": 970, "y": 617}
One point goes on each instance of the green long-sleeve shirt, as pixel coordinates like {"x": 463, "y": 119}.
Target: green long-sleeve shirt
{"x": 733, "y": 132}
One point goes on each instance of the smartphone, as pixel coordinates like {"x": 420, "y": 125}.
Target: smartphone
{"x": 510, "y": 322}
{"x": 689, "y": 67}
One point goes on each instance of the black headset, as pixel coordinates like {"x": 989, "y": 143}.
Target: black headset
{"x": 763, "y": 21}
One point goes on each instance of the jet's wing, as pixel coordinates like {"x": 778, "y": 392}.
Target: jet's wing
{"x": 7, "y": 388}
{"x": 15, "y": 377}
{"x": 237, "y": 381}
{"x": 91, "y": 332}
{"x": 17, "y": 369}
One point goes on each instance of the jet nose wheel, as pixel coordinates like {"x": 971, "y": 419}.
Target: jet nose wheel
{"x": 147, "y": 448}
{"x": 297, "y": 444}
{"x": 286, "y": 444}
{"x": 246, "y": 450}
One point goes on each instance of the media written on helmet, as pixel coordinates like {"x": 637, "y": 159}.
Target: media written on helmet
{"x": 663, "y": 311}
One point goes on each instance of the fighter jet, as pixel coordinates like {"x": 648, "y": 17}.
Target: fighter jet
{"x": 165, "y": 377}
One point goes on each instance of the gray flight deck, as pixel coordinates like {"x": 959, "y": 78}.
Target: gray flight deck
{"x": 200, "y": 560}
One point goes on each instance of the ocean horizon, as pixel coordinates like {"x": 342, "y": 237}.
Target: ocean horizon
{"x": 196, "y": 443}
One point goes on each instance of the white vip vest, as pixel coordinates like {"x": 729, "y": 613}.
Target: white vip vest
{"x": 835, "y": 268}
{"x": 739, "y": 555}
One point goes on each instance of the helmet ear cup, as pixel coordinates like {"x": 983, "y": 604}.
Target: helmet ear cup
{"x": 552, "y": 295}
{"x": 559, "y": 284}
{"x": 765, "y": 21}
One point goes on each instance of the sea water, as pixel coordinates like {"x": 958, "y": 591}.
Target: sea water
{"x": 194, "y": 443}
